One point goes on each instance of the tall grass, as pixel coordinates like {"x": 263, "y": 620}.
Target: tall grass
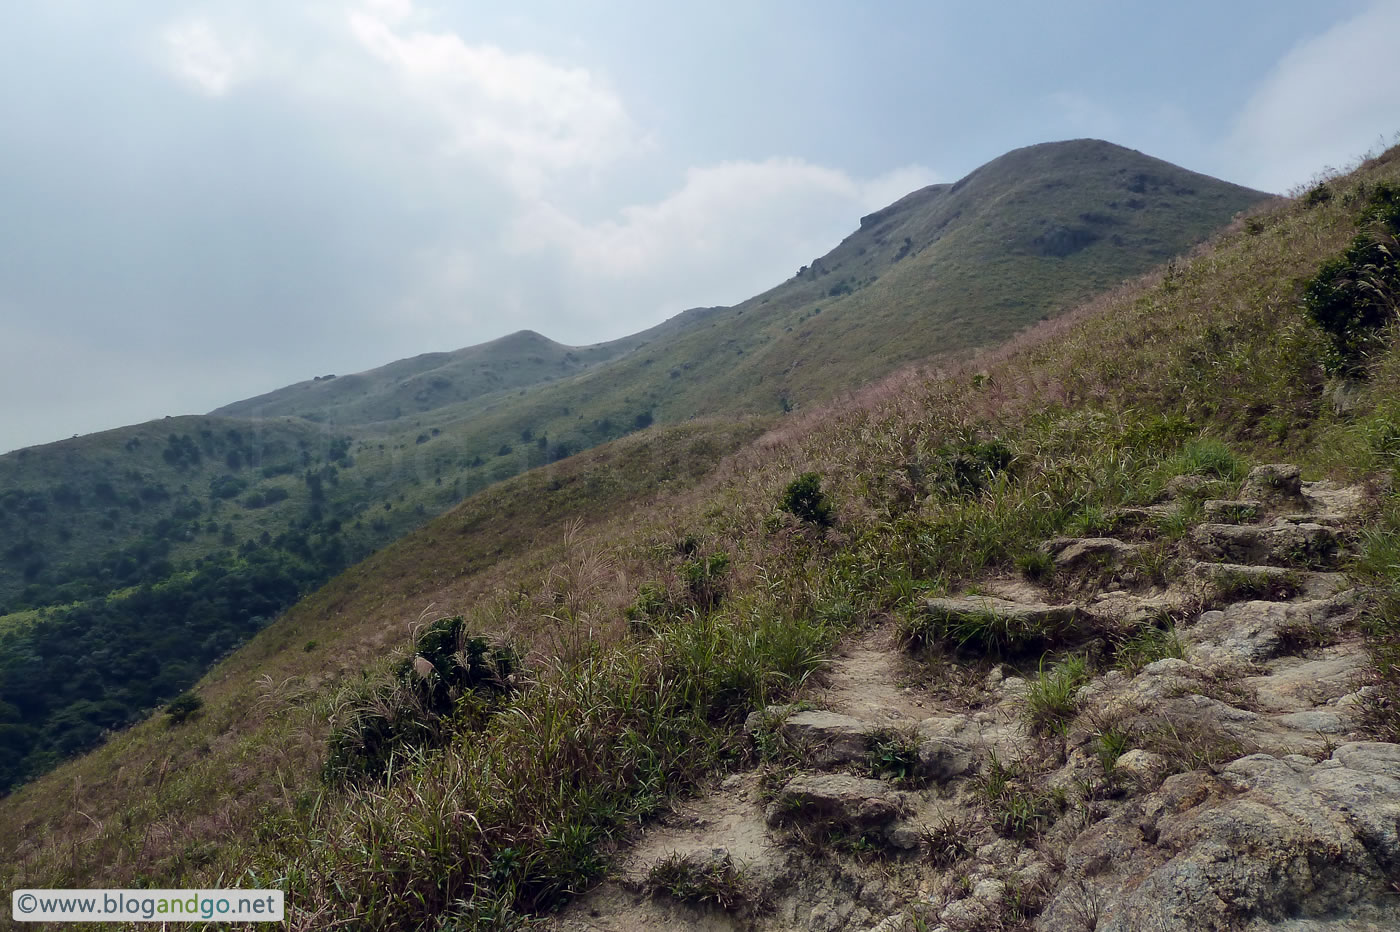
{"x": 1197, "y": 374}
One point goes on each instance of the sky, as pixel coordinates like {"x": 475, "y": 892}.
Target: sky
{"x": 201, "y": 202}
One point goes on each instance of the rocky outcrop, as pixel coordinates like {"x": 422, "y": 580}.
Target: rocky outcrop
{"x": 1268, "y": 840}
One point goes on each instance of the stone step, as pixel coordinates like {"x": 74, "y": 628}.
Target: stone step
{"x": 1295, "y": 545}
{"x": 1071, "y": 553}
{"x": 1233, "y": 511}
{"x": 836, "y": 801}
{"x": 1277, "y": 583}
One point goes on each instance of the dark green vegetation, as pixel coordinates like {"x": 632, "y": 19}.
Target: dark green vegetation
{"x": 179, "y": 539}
{"x": 1355, "y": 296}
{"x": 932, "y": 482}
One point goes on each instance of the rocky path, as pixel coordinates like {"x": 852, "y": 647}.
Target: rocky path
{"x": 1208, "y": 775}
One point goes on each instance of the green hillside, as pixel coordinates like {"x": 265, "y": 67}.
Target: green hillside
{"x": 646, "y": 621}
{"x": 119, "y": 536}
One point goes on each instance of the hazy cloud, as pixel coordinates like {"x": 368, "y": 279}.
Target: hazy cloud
{"x": 1326, "y": 102}
{"x": 209, "y": 62}
{"x": 744, "y": 218}
{"x": 531, "y": 117}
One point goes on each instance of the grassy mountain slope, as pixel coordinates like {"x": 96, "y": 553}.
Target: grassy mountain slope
{"x": 733, "y": 602}
{"x": 432, "y": 380}
{"x": 117, "y": 533}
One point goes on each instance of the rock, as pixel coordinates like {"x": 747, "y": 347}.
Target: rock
{"x": 1344, "y": 393}
{"x": 990, "y": 619}
{"x": 1135, "y": 516}
{"x": 1333, "y": 497}
{"x": 1275, "y": 484}
{"x": 1295, "y": 684}
{"x": 1251, "y": 632}
{"x": 1298, "y": 545}
{"x": 1270, "y": 840}
{"x": 1233, "y": 511}
{"x": 837, "y": 801}
{"x": 827, "y": 739}
{"x": 1072, "y": 554}
{"x": 1125, "y": 610}
{"x": 767, "y": 718}
{"x": 1179, "y": 486}
{"x": 1144, "y": 768}
{"x": 942, "y": 759}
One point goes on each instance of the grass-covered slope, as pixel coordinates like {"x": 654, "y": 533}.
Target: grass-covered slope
{"x": 180, "y": 537}
{"x": 650, "y": 629}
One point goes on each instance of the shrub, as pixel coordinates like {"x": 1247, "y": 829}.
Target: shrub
{"x": 453, "y": 681}
{"x": 804, "y": 498}
{"x": 182, "y": 708}
{"x": 1355, "y": 295}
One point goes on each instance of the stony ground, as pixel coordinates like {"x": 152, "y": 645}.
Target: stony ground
{"x": 1200, "y": 770}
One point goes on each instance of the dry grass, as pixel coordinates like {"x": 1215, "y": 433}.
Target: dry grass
{"x": 1096, "y": 410}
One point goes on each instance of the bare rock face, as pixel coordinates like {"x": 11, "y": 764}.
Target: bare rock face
{"x": 1270, "y": 843}
{"x": 836, "y": 801}
{"x": 1251, "y": 632}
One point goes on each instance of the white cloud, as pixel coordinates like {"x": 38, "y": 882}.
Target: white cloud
{"x": 730, "y": 231}
{"x": 209, "y": 62}
{"x": 1325, "y": 103}
{"x": 530, "y": 117}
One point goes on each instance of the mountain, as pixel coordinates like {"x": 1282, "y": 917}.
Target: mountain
{"x": 119, "y": 537}
{"x": 625, "y": 612}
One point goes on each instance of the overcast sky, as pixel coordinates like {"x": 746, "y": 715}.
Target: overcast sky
{"x": 205, "y": 201}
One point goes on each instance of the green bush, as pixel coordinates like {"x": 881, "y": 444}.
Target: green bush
{"x": 183, "y": 707}
{"x": 804, "y": 498}
{"x": 453, "y": 681}
{"x": 1354, "y": 296}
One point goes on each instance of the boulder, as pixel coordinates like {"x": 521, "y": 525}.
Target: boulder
{"x": 827, "y": 739}
{"x": 1072, "y": 554}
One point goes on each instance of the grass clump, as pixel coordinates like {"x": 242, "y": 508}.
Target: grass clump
{"x": 987, "y": 632}
{"x": 1017, "y": 810}
{"x": 714, "y": 880}
{"x": 1148, "y": 646}
{"x": 1110, "y": 744}
{"x": 1211, "y": 458}
{"x": 1051, "y": 701}
{"x": 894, "y": 756}
{"x": 1234, "y": 585}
